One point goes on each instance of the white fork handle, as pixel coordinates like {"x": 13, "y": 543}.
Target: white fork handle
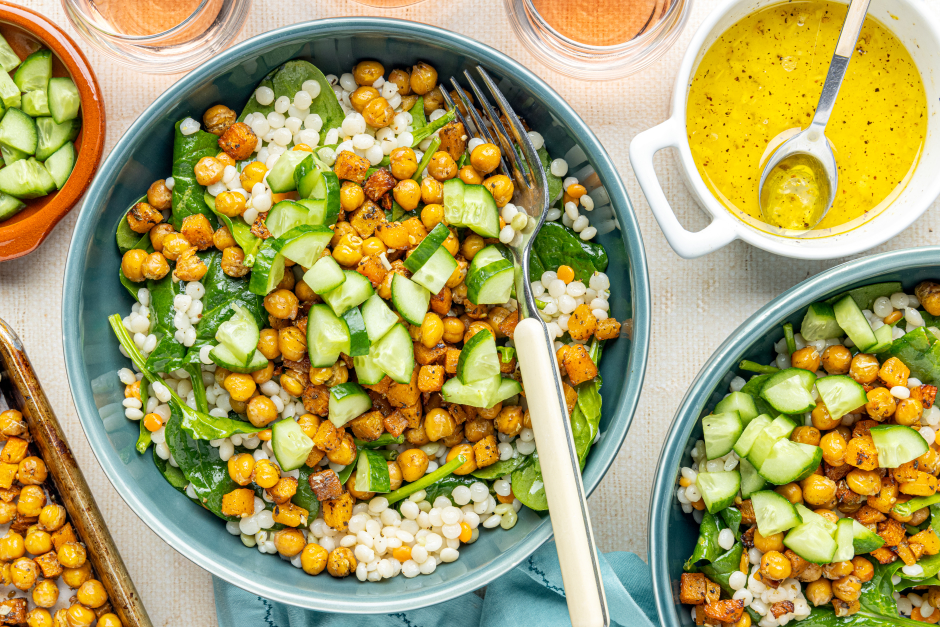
{"x": 567, "y": 504}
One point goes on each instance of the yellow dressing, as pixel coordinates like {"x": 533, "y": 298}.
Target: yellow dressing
{"x": 795, "y": 194}
{"x": 758, "y": 85}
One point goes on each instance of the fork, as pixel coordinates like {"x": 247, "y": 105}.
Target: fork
{"x": 567, "y": 504}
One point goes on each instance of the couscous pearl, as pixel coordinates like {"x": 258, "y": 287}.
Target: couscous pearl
{"x": 588, "y": 233}
{"x": 264, "y": 96}
{"x": 900, "y": 391}
{"x": 553, "y": 214}
{"x": 282, "y": 104}
{"x": 571, "y": 210}
{"x": 559, "y": 167}
{"x": 587, "y": 202}
{"x": 276, "y": 120}
{"x": 580, "y": 224}
{"x": 189, "y": 126}
{"x": 928, "y": 434}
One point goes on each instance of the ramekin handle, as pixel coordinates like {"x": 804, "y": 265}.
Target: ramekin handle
{"x": 687, "y": 244}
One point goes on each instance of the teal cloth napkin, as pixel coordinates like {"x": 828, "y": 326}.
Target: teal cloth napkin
{"x": 534, "y": 585}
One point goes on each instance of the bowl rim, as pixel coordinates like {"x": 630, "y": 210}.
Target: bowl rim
{"x": 84, "y": 231}
{"x": 723, "y": 361}
{"x": 25, "y": 235}
{"x": 845, "y": 244}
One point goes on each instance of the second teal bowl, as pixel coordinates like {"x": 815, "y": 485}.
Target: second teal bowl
{"x": 92, "y": 292}
{"x": 673, "y": 534}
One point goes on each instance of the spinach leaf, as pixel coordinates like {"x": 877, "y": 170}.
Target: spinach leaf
{"x": 145, "y": 438}
{"x": 200, "y": 463}
{"x": 287, "y": 80}
{"x": 755, "y": 385}
{"x": 557, "y": 245}
{"x": 732, "y": 518}
{"x": 199, "y": 388}
{"x": 240, "y": 230}
{"x": 825, "y": 617}
{"x": 187, "y": 192}
{"x": 168, "y": 354}
{"x": 721, "y": 569}
{"x": 500, "y": 468}
{"x": 173, "y": 475}
{"x": 527, "y": 485}
{"x": 417, "y": 114}
{"x": 920, "y": 351}
{"x": 586, "y": 417}
{"x": 125, "y": 236}
{"x": 305, "y": 497}
{"x": 707, "y": 548}
{"x": 253, "y": 106}
{"x": 935, "y": 517}
{"x": 222, "y": 293}
{"x": 384, "y": 440}
{"x": 878, "y": 594}
{"x": 348, "y": 470}
{"x": 931, "y": 566}
{"x": 554, "y": 182}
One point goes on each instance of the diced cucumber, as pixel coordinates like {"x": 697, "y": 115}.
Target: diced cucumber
{"x": 788, "y": 391}
{"x": 268, "y": 269}
{"x": 720, "y": 432}
{"x": 395, "y": 355}
{"x": 435, "y": 273}
{"x": 52, "y": 136}
{"x": 222, "y": 356}
{"x": 378, "y": 317}
{"x": 478, "y": 359}
{"x": 780, "y": 427}
{"x": 426, "y": 249}
{"x": 8, "y": 58}
{"x": 739, "y": 402}
{"x": 61, "y": 163}
{"x": 12, "y": 155}
{"x": 307, "y": 175}
{"x": 864, "y": 539}
{"x": 718, "y": 488}
{"x": 325, "y": 275}
{"x": 372, "y": 473}
{"x": 10, "y": 206}
{"x": 327, "y": 336}
{"x": 790, "y": 461}
{"x": 453, "y": 201}
{"x": 239, "y": 334}
{"x": 853, "y": 322}
{"x": 354, "y": 291}
{"x": 753, "y": 429}
{"x": 751, "y": 481}
{"x": 36, "y": 103}
{"x": 808, "y": 516}
{"x": 9, "y": 93}
{"x": 410, "y": 299}
{"x": 281, "y": 177}
{"x": 348, "y": 401}
{"x": 290, "y": 444}
{"x": 304, "y": 244}
{"x": 358, "y": 338}
{"x": 18, "y": 130}
{"x": 884, "y": 336}
{"x": 26, "y": 179}
{"x": 774, "y": 513}
{"x": 367, "y": 371}
{"x": 284, "y": 216}
{"x": 866, "y": 295}
{"x": 64, "y": 99}
{"x": 811, "y": 542}
{"x": 841, "y": 394}
{"x": 845, "y": 540}
{"x": 485, "y": 257}
{"x": 476, "y": 394}
{"x": 507, "y": 389}
{"x": 492, "y": 284}
{"x": 896, "y": 444}
{"x": 480, "y": 212}
{"x": 324, "y": 206}
{"x": 820, "y": 323}
{"x": 35, "y": 71}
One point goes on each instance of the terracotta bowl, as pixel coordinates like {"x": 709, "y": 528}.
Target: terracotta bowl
{"x": 26, "y": 31}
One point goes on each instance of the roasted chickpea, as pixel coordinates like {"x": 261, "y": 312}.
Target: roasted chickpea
{"x": 791, "y": 491}
{"x": 24, "y": 573}
{"x": 158, "y": 234}
{"x": 402, "y": 79}
{"x": 864, "y": 368}
{"x": 233, "y": 261}
{"x": 836, "y": 359}
{"x": 433, "y": 100}
{"x": 413, "y": 463}
{"x": 864, "y": 482}
{"x": 367, "y": 72}
{"x": 862, "y": 569}
{"x": 403, "y": 163}
{"x": 909, "y": 412}
{"x": 174, "y": 245}
{"x": 222, "y": 238}
{"x": 407, "y": 194}
{"x": 37, "y": 541}
{"x": 208, "y": 171}
{"x": 79, "y": 616}
{"x": 282, "y": 304}
{"x": 881, "y": 404}
{"x": 253, "y": 174}
{"x": 292, "y": 383}
{"x": 92, "y": 594}
{"x": 453, "y": 330}
{"x": 509, "y": 420}
{"x": 394, "y": 475}
{"x": 109, "y": 620}
{"x": 292, "y": 343}
{"x": 833, "y": 448}
{"x": 432, "y": 330}
{"x": 378, "y": 113}
{"x": 363, "y": 96}
{"x": 341, "y": 562}
{"x": 132, "y": 264}
{"x": 40, "y": 616}
{"x": 155, "y": 266}
{"x": 432, "y": 215}
{"x": 806, "y": 435}
{"x": 351, "y": 196}
{"x": 218, "y": 118}
{"x": 467, "y": 451}
{"x": 75, "y": 577}
{"x": 423, "y": 78}
{"x": 442, "y": 166}
{"x": 837, "y": 570}
{"x": 239, "y": 386}
{"x": 469, "y": 175}
{"x": 485, "y": 158}
{"x": 313, "y": 559}
{"x": 439, "y": 424}
{"x": 775, "y": 565}
{"x": 266, "y": 474}
{"x": 71, "y": 555}
{"x": 52, "y": 517}
{"x": 806, "y": 358}
{"x": 240, "y": 468}
{"x": 261, "y": 411}
{"x": 432, "y": 192}
{"x": 819, "y": 592}
{"x": 142, "y": 217}
{"x": 821, "y": 418}
{"x": 46, "y": 593}
{"x": 267, "y": 344}
{"x": 289, "y": 542}
{"x": 31, "y": 501}
{"x": 818, "y": 490}
{"x": 231, "y": 204}
{"x": 501, "y": 188}
{"x": 189, "y": 267}
{"x": 159, "y": 195}
{"x": 765, "y": 544}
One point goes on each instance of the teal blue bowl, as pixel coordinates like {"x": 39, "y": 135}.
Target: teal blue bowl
{"x": 673, "y": 534}
{"x": 92, "y": 292}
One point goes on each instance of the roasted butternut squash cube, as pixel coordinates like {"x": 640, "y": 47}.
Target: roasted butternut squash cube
{"x": 583, "y": 323}
{"x": 607, "y": 329}
{"x": 367, "y": 218}
{"x": 413, "y": 414}
{"x": 380, "y": 182}
{"x": 893, "y": 372}
{"x": 13, "y": 612}
{"x": 49, "y": 565}
{"x": 64, "y": 535}
{"x": 313, "y": 459}
{"x": 381, "y": 387}
{"x": 578, "y": 365}
{"x": 351, "y": 167}
{"x": 240, "y": 502}
{"x": 326, "y": 485}
{"x": 928, "y": 538}
{"x": 924, "y": 485}
{"x": 290, "y": 515}
{"x": 338, "y": 511}
{"x": 395, "y": 423}
{"x": 404, "y": 394}
{"x": 692, "y": 588}
{"x": 14, "y": 451}
{"x": 861, "y": 453}
{"x": 451, "y": 359}
{"x": 7, "y": 475}
{"x": 368, "y": 426}
{"x": 431, "y": 378}
{"x": 486, "y": 452}
{"x": 328, "y": 437}
{"x": 891, "y": 531}
{"x": 372, "y": 268}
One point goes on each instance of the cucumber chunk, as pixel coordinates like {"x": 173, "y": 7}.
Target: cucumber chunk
{"x": 10, "y": 206}
{"x": 284, "y": 216}
{"x": 480, "y": 212}
{"x": 36, "y": 103}
{"x": 820, "y": 323}
{"x": 18, "y": 130}
{"x": 354, "y": 291}
{"x": 436, "y": 271}
{"x": 26, "y": 179}
{"x": 718, "y": 488}
{"x": 12, "y": 155}
{"x": 812, "y": 542}
{"x": 35, "y": 71}
{"x": 741, "y": 403}
{"x": 426, "y": 249}
{"x": 52, "y": 136}
{"x": 239, "y": 334}
{"x": 348, "y": 401}
{"x": 327, "y": 336}
{"x": 492, "y": 284}
{"x": 378, "y": 317}
{"x": 845, "y": 539}
{"x": 323, "y": 205}
{"x": 788, "y": 391}
{"x": 410, "y": 299}
{"x": 790, "y": 461}
{"x": 896, "y": 444}
{"x": 367, "y": 371}
{"x": 304, "y": 244}
{"x": 9, "y": 93}
{"x": 808, "y": 516}
{"x": 307, "y": 175}
{"x": 753, "y": 429}
{"x": 485, "y": 257}
{"x": 325, "y": 275}
{"x": 394, "y": 354}
{"x": 372, "y": 473}
{"x": 281, "y": 177}
{"x": 864, "y": 539}
{"x": 507, "y": 389}
{"x": 841, "y": 394}
{"x": 453, "y": 201}
{"x": 774, "y": 513}
{"x": 478, "y": 360}
{"x": 853, "y": 322}
{"x": 290, "y": 444}
{"x": 884, "y": 336}
{"x": 8, "y": 58}
{"x": 780, "y": 427}
{"x": 358, "y": 338}
{"x": 476, "y": 394}
{"x": 61, "y": 163}
{"x": 720, "y": 432}
{"x": 268, "y": 269}
{"x": 751, "y": 481}
{"x": 64, "y": 99}
{"x": 222, "y": 356}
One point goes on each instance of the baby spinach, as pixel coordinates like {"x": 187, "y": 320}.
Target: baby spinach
{"x": 732, "y": 517}
{"x": 920, "y": 351}
{"x": 287, "y": 80}
{"x": 173, "y": 475}
{"x": 554, "y": 182}
{"x": 527, "y": 485}
{"x": 721, "y": 569}
{"x": 586, "y": 417}
{"x": 347, "y": 470}
{"x": 825, "y": 617}
{"x": 240, "y": 230}
{"x": 877, "y": 595}
{"x": 557, "y": 245}
{"x": 222, "y": 293}
{"x": 168, "y": 354}
{"x": 305, "y": 497}
{"x": 418, "y": 120}
{"x": 125, "y": 236}
{"x": 383, "y": 440}
{"x": 931, "y": 566}
{"x": 707, "y": 548}
{"x": 501, "y": 468}
{"x": 187, "y": 192}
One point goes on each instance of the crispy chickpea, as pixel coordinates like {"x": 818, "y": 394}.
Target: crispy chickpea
{"x": 142, "y": 217}
{"x": 433, "y": 100}
{"x": 467, "y": 451}
{"x": 303, "y": 291}
{"x": 451, "y": 243}
{"x": 822, "y": 420}
{"x": 109, "y": 620}
{"x": 836, "y": 359}
{"x": 469, "y": 175}
{"x": 289, "y": 542}
{"x": 378, "y": 113}
{"x": 218, "y": 118}
{"x": 266, "y": 474}
{"x": 362, "y": 97}
{"x": 292, "y": 383}
{"x": 253, "y": 174}
{"x": 453, "y": 330}
{"x": 155, "y": 266}
{"x": 341, "y": 562}
{"x": 197, "y": 230}
{"x": 862, "y": 569}
{"x": 159, "y": 196}
{"x": 52, "y": 517}
{"x": 222, "y": 238}
{"x": 267, "y": 344}
{"x": 805, "y": 435}
{"x": 407, "y": 194}
{"x": 401, "y": 78}
{"x": 432, "y": 330}
{"x": 292, "y": 343}
{"x": 233, "y": 262}
{"x": 413, "y": 463}
{"x": 71, "y": 555}
{"x": 175, "y": 245}
{"x": 313, "y": 559}
{"x": 768, "y": 543}
{"x": 37, "y": 541}
{"x": 231, "y": 204}
{"x": 818, "y": 490}
{"x": 806, "y": 358}
{"x": 46, "y": 593}
{"x": 864, "y": 482}
{"x": 403, "y": 163}
{"x": 225, "y": 159}
{"x": 837, "y": 570}
{"x": 438, "y": 424}
{"x": 775, "y": 565}
{"x": 833, "y": 448}
{"x": 31, "y": 501}
{"x": 847, "y": 588}
{"x": 908, "y": 412}
{"x": 394, "y": 475}
{"x": 75, "y": 577}
{"x": 501, "y": 188}
{"x": 40, "y": 616}
{"x": 158, "y": 234}
{"x": 189, "y": 267}
{"x": 864, "y": 368}
{"x": 240, "y": 468}
{"x": 79, "y": 616}
{"x": 509, "y": 420}
{"x": 208, "y": 171}
{"x": 351, "y": 196}
{"x": 367, "y": 72}
{"x": 485, "y": 158}
{"x": 442, "y": 166}
{"x": 471, "y": 246}
{"x": 349, "y": 251}
{"x": 423, "y": 78}
{"x": 92, "y": 594}
{"x": 819, "y": 592}
{"x": 790, "y": 492}
{"x": 282, "y": 304}
{"x": 24, "y": 573}
{"x": 432, "y": 215}
{"x": 239, "y": 386}
{"x": 12, "y": 547}
{"x": 132, "y": 264}
{"x": 261, "y": 411}
{"x": 394, "y": 235}
{"x": 881, "y": 404}
{"x": 432, "y": 192}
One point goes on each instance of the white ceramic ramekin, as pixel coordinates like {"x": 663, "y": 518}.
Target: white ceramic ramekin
{"x": 916, "y": 24}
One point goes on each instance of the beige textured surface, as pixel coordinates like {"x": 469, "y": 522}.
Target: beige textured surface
{"x": 696, "y": 304}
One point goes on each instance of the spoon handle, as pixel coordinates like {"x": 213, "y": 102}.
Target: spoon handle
{"x": 851, "y": 28}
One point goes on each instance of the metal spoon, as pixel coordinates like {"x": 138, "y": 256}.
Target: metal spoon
{"x": 810, "y": 147}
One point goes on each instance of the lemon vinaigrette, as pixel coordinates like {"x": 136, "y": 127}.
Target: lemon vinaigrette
{"x": 758, "y": 85}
